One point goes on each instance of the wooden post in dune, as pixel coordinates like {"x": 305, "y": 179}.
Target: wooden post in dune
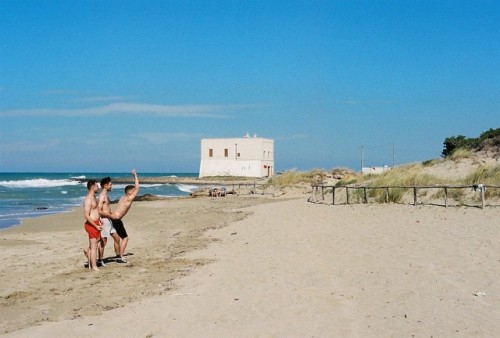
{"x": 415, "y": 196}
{"x": 386, "y": 198}
{"x": 333, "y": 195}
{"x": 365, "y": 198}
{"x": 446, "y": 197}
{"x": 347, "y": 194}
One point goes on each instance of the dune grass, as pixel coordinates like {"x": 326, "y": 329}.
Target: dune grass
{"x": 293, "y": 177}
{"x": 408, "y": 175}
{"x": 399, "y": 180}
{"x": 461, "y": 153}
{"x": 487, "y": 175}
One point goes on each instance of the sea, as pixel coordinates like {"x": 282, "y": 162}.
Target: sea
{"x": 24, "y": 195}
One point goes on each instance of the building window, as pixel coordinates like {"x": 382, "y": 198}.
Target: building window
{"x": 226, "y": 152}
{"x": 210, "y": 153}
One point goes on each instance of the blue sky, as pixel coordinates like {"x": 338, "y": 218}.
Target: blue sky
{"x": 112, "y": 85}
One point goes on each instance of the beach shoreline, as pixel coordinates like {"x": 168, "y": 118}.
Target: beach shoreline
{"x": 259, "y": 265}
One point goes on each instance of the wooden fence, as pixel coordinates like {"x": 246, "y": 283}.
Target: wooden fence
{"x": 319, "y": 191}
{"x": 251, "y": 188}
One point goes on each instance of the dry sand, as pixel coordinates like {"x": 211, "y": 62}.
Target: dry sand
{"x": 253, "y": 266}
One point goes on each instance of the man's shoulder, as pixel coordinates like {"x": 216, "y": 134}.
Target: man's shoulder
{"x": 103, "y": 196}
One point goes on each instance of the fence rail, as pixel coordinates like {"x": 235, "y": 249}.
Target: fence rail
{"x": 252, "y": 188}
{"x": 319, "y": 190}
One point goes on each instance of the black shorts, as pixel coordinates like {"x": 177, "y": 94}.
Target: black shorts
{"x": 120, "y": 229}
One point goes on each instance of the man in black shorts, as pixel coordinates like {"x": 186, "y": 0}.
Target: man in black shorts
{"x": 123, "y": 206}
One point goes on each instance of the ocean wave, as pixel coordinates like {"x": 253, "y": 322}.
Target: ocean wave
{"x": 186, "y": 187}
{"x": 82, "y": 177}
{"x": 38, "y": 183}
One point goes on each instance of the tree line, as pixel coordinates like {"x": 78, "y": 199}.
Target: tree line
{"x": 454, "y": 143}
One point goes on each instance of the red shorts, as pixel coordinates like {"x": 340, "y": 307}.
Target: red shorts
{"x": 92, "y": 230}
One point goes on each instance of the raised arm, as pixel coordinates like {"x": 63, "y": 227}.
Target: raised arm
{"x": 136, "y": 186}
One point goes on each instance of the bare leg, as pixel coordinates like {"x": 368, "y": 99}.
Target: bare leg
{"x": 117, "y": 241}
{"x": 93, "y": 254}
{"x": 123, "y": 246}
{"x": 86, "y": 253}
{"x": 102, "y": 245}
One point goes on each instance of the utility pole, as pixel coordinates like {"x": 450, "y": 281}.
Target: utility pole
{"x": 393, "y": 154}
{"x": 362, "y": 158}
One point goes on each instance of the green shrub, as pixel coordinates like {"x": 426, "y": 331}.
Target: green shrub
{"x": 451, "y": 144}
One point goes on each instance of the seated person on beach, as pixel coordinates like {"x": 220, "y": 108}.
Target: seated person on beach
{"x": 123, "y": 206}
{"x": 222, "y": 191}
{"x": 216, "y": 192}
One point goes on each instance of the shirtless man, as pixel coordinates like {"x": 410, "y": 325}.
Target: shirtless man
{"x": 107, "y": 226}
{"x": 122, "y": 208}
{"x": 92, "y": 223}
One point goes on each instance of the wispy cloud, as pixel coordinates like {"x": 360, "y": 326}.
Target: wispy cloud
{"x": 101, "y": 99}
{"x": 194, "y": 110}
{"x": 167, "y": 137}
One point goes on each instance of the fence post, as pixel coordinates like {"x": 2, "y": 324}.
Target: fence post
{"x": 347, "y": 194}
{"x": 322, "y": 193}
{"x": 387, "y": 195}
{"x": 446, "y": 197}
{"x": 365, "y": 198}
{"x": 415, "y": 196}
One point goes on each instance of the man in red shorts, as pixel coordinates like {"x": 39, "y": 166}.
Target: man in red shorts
{"x": 92, "y": 223}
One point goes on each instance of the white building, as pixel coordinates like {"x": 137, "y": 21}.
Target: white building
{"x": 375, "y": 170}
{"x": 247, "y": 157}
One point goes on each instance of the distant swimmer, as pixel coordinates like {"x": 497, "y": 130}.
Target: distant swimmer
{"x": 122, "y": 208}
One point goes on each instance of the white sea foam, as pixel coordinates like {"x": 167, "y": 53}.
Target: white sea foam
{"x": 186, "y": 187}
{"x": 82, "y": 177}
{"x": 38, "y": 183}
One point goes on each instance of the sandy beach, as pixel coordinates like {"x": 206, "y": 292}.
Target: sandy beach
{"x": 259, "y": 266}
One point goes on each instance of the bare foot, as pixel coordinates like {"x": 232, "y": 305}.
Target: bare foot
{"x": 94, "y": 269}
